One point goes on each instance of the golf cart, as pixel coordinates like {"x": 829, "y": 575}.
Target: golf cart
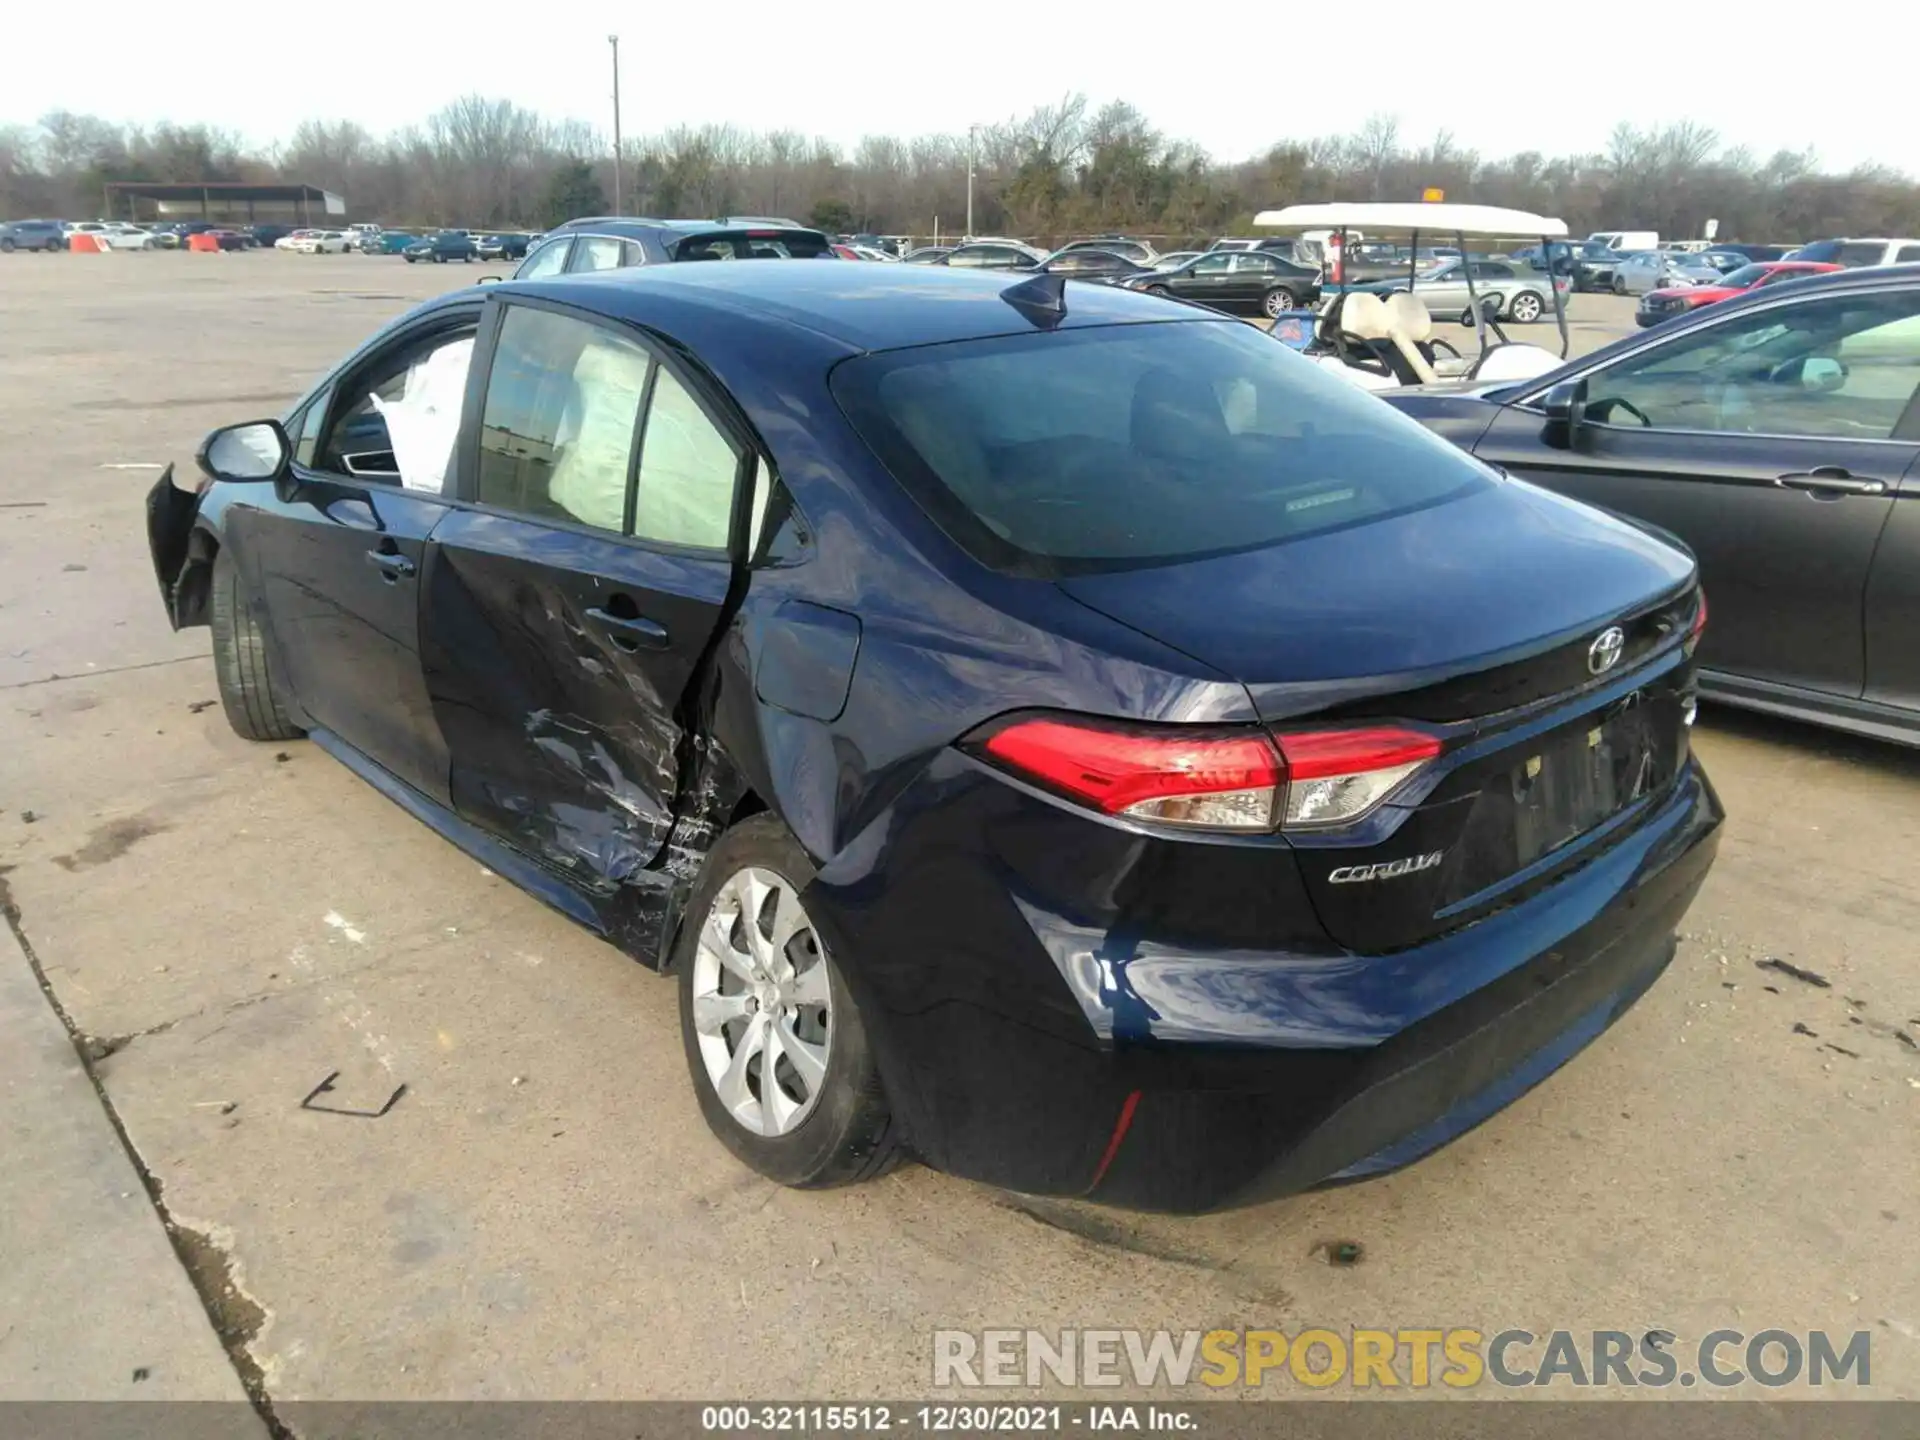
{"x": 1380, "y": 333}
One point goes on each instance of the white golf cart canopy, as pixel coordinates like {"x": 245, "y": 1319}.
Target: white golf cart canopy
{"x": 1370, "y": 216}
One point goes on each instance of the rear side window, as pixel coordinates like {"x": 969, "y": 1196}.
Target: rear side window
{"x": 596, "y": 252}
{"x": 1112, "y": 447}
{"x": 1907, "y": 255}
{"x": 557, "y": 431}
{"x": 548, "y": 259}
{"x": 687, "y": 472}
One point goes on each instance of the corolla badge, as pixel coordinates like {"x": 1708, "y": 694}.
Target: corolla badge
{"x": 1386, "y": 869}
{"x": 1606, "y": 649}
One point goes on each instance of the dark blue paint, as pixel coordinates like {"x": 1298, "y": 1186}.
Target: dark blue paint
{"x": 807, "y": 654}
{"x": 1022, "y": 966}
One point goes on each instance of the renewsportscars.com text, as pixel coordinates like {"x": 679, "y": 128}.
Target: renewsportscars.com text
{"x": 1414, "y": 1359}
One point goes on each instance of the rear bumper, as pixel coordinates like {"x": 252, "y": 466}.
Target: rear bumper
{"x": 1055, "y": 1057}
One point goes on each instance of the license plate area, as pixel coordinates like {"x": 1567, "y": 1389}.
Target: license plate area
{"x": 1548, "y": 792}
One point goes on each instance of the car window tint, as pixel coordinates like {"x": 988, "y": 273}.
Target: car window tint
{"x": 549, "y": 259}
{"x": 1213, "y": 264}
{"x": 687, "y": 472}
{"x": 1047, "y": 454}
{"x": 1861, "y": 253}
{"x": 398, "y": 423}
{"x": 1907, "y": 254}
{"x": 631, "y": 254}
{"x": 1837, "y": 367}
{"x": 595, "y": 252}
{"x": 557, "y": 430}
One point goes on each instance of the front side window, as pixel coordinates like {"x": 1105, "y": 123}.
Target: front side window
{"x": 549, "y": 259}
{"x": 396, "y": 423}
{"x": 557, "y": 430}
{"x": 1121, "y": 446}
{"x": 1213, "y": 264}
{"x": 1840, "y": 367}
{"x": 595, "y": 252}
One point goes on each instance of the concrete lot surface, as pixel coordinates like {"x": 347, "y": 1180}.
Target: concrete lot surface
{"x": 542, "y": 1212}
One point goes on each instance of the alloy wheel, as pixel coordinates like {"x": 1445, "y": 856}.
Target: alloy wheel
{"x": 1280, "y": 301}
{"x": 1526, "y": 308}
{"x": 762, "y": 1007}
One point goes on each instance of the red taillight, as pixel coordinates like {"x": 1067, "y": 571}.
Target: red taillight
{"x": 1699, "y": 618}
{"x": 1211, "y": 779}
{"x": 1336, "y": 776}
{"x": 1216, "y": 781}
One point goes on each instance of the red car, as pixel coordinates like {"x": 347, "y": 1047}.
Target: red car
{"x": 1659, "y": 305}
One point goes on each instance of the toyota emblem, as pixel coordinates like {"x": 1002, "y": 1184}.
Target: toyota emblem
{"x": 1605, "y": 651}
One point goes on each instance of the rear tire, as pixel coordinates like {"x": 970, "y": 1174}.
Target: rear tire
{"x": 249, "y": 691}
{"x": 1525, "y": 307}
{"x": 846, "y": 1133}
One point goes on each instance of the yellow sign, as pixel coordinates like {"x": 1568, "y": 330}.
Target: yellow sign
{"x": 1432, "y": 195}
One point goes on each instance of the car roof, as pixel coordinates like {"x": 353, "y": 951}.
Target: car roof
{"x": 855, "y": 307}
{"x": 613, "y": 224}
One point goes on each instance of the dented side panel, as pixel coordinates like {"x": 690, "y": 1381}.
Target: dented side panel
{"x": 558, "y": 665}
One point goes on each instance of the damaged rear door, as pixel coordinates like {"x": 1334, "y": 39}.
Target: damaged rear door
{"x": 573, "y": 593}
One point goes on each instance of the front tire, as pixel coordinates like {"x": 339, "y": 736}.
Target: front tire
{"x": 756, "y": 980}
{"x": 249, "y": 691}
{"x": 1619, "y": 285}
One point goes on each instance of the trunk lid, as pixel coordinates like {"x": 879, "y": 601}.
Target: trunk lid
{"x": 1477, "y": 619}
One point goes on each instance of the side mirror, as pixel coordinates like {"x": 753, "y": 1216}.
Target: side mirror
{"x": 488, "y": 280}
{"x": 1822, "y": 374}
{"x": 1565, "y": 407}
{"x": 237, "y": 454}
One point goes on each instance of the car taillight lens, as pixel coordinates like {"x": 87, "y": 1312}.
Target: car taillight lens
{"x": 1699, "y": 620}
{"x": 1203, "y": 779}
{"x": 1210, "y": 779}
{"x": 1336, "y": 776}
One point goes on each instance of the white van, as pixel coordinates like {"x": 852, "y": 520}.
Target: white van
{"x": 1624, "y": 240}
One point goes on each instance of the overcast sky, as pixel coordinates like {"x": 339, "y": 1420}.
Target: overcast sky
{"x": 911, "y": 67}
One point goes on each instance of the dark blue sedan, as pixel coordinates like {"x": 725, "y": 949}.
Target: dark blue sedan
{"x": 1051, "y": 732}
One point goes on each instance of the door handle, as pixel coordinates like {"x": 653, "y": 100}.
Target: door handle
{"x": 630, "y": 633}
{"x": 1830, "y": 480}
{"x": 392, "y": 567}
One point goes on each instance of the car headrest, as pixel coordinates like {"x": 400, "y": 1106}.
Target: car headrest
{"x": 1364, "y": 314}
{"x": 1410, "y": 313}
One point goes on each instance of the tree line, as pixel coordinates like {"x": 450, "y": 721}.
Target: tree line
{"x": 1063, "y": 169}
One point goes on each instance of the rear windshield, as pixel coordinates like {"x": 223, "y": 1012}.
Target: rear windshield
{"x": 757, "y": 244}
{"x": 1057, "y": 453}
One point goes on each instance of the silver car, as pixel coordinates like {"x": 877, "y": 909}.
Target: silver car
{"x": 1645, "y": 271}
{"x": 1506, "y": 291}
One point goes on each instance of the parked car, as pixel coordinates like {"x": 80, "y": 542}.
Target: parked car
{"x": 1852, "y": 253}
{"x": 389, "y": 242}
{"x": 1660, "y": 270}
{"x": 1167, "y": 777}
{"x": 1138, "y": 251}
{"x": 995, "y": 255}
{"x": 116, "y": 234}
{"x": 228, "y": 239}
{"x": 1242, "y": 281}
{"x": 1504, "y": 290}
{"x": 502, "y": 245}
{"x": 442, "y": 246}
{"x": 44, "y": 235}
{"x": 268, "y": 237}
{"x": 291, "y": 238}
{"x": 1776, "y": 435}
{"x": 1660, "y": 306}
{"x": 1594, "y": 262}
{"x": 1626, "y": 241}
{"x": 320, "y": 242}
{"x": 613, "y": 243}
{"x": 1105, "y": 267}
{"x": 928, "y": 255}
{"x": 363, "y": 236}
{"x": 1756, "y": 252}
{"x": 1174, "y": 259}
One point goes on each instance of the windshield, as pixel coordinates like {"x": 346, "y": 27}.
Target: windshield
{"x": 1745, "y": 277}
{"x": 1058, "y": 453}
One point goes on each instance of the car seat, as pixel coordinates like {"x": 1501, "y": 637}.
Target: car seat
{"x": 1366, "y": 317}
{"x": 1409, "y": 314}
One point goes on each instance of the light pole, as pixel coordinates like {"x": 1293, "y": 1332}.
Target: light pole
{"x": 614, "y": 41}
{"x": 972, "y": 131}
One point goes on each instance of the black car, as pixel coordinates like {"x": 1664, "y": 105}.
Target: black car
{"x": 264, "y": 236}
{"x": 442, "y": 246}
{"x": 617, "y": 244}
{"x": 502, "y": 245}
{"x": 1138, "y": 251}
{"x": 995, "y": 255}
{"x": 1106, "y": 267}
{"x": 1244, "y": 281}
{"x": 1050, "y": 732}
{"x": 45, "y": 235}
{"x": 1778, "y": 435}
